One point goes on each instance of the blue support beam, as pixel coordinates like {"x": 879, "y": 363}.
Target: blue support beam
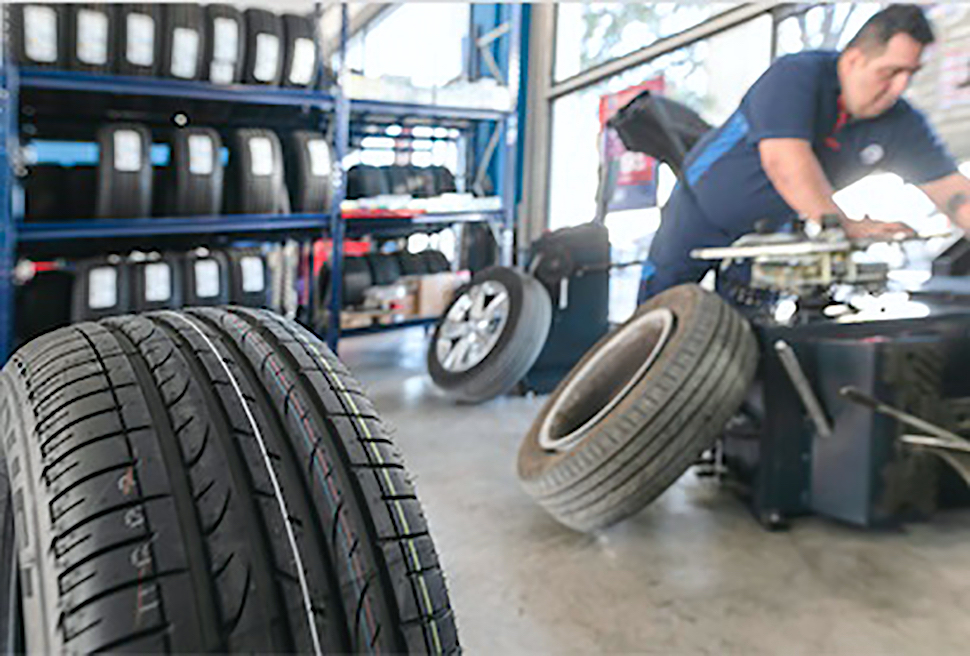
{"x": 337, "y": 225}
{"x": 8, "y": 230}
{"x": 503, "y": 169}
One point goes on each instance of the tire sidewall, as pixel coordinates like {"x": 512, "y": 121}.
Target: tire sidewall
{"x": 534, "y": 462}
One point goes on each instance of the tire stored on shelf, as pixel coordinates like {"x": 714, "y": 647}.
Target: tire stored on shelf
{"x": 356, "y": 280}
{"x": 435, "y": 261}
{"x": 37, "y": 34}
{"x": 635, "y": 413}
{"x": 366, "y": 181}
{"x": 43, "y": 303}
{"x": 139, "y": 29}
{"x": 183, "y": 41}
{"x": 210, "y": 481}
{"x": 264, "y": 47}
{"x": 300, "y": 54}
{"x": 255, "y": 184}
{"x": 101, "y": 288}
{"x": 91, "y": 37}
{"x": 309, "y": 160}
{"x": 156, "y": 283}
{"x": 124, "y": 172}
{"x": 411, "y": 264}
{"x": 191, "y": 184}
{"x": 384, "y": 268}
{"x": 490, "y": 335}
{"x": 225, "y": 44}
{"x": 248, "y": 277}
{"x": 206, "y": 278}
{"x": 444, "y": 180}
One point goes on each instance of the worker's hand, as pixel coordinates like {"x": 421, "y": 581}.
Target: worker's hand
{"x": 877, "y": 230}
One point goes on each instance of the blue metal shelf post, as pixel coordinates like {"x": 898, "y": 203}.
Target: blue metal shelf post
{"x": 341, "y": 137}
{"x": 9, "y": 145}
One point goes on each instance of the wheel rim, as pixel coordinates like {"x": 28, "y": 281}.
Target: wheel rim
{"x": 590, "y": 395}
{"x": 472, "y": 327}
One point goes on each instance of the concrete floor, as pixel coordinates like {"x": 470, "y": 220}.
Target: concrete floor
{"x": 692, "y": 574}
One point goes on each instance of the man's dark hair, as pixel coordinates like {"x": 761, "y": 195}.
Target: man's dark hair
{"x": 894, "y": 19}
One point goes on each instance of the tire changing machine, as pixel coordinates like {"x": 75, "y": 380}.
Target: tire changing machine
{"x": 862, "y": 395}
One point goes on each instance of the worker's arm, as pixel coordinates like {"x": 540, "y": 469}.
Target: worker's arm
{"x": 951, "y": 194}
{"x": 796, "y": 174}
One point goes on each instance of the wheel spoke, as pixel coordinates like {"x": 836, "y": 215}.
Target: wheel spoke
{"x": 458, "y": 353}
{"x": 497, "y": 302}
{"x": 478, "y": 303}
{"x": 454, "y": 329}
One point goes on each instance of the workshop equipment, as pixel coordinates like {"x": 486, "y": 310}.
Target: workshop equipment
{"x": 827, "y": 322}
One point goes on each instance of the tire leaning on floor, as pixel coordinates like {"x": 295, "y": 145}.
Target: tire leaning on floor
{"x": 490, "y": 335}
{"x": 638, "y": 409}
{"x": 210, "y": 480}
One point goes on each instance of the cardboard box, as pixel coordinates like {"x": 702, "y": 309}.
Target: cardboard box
{"x": 435, "y": 292}
{"x": 350, "y": 320}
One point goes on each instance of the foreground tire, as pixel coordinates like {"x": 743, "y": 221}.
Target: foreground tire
{"x": 490, "y": 335}
{"x": 638, "y": 409}
{"x": 210, "y": 480}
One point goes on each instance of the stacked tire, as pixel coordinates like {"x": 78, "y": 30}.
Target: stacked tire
{"x": 208, "y": 480}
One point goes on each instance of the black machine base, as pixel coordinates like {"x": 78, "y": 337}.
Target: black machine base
{"x": 861, "y": 474}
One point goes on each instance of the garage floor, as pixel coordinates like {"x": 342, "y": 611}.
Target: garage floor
{"x": 692, "y": 574}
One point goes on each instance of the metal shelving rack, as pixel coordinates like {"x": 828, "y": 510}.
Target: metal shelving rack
{"x": 318, "y": 106}
{"x": 497, "y": 137}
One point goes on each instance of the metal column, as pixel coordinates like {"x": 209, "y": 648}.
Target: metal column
{"x": 337, "y": 224}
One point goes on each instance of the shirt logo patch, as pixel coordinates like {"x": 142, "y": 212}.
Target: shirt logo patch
{"x": 871, "y": 154}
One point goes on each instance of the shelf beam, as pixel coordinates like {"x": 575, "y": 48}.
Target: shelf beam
{"x": 131, "y": 85}
{"x": 220, "y": 224}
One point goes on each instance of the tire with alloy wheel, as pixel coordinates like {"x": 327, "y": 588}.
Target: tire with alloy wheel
{"x": 638, "y": 409}
{"x": 490, "y": 335}
{"x": 212, "y": 480}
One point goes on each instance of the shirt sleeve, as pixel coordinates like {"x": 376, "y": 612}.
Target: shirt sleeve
{"x": 918, "y": 154}
{"x": 783, "y": 103}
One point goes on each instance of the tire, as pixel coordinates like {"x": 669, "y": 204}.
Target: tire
{"x": 520, "y": 340}
{"x": 411, "y": 264}
{"x": 264, "y": 48}
{"x": 384, "y": 268}
{"x": 192, "y": 183}
{"x": 211, "y": 480}
{"x": 124, "y": 188}
{"x": 605, "y": 462}
{"x": 254, "y": 176}
{"x": 182, "y": 42}
{"x": 435, "y": 261}
{"x": 309, "y": 161}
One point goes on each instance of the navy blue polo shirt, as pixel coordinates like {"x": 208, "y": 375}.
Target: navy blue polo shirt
{"x": 797, "y": 97}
